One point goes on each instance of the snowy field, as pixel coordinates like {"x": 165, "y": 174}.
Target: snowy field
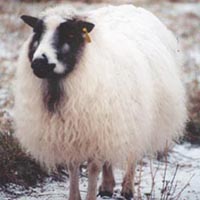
{"x": 181, "y": 175}
{"x": 181, "y": 172}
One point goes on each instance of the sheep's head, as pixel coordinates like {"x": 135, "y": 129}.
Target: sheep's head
{"x": 56, "y": 44}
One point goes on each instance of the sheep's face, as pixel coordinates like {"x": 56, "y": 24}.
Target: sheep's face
{"x": 56, "y": 44}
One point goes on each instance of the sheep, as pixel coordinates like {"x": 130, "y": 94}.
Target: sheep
{"x": 102, "y": 86}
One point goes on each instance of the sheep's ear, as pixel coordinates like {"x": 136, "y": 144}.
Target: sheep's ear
{"x": 89, "y": 26}
{"x": 31, "y": 21}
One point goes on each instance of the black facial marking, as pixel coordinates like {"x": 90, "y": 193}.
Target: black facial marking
{"x": 52, "y": 94}
{"x": 38, "y": 30}
{"x": 67, "y": 34}
{"x": 69, "y": 41}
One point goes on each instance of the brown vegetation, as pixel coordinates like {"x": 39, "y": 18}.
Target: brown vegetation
{"x": 15, "y": 166}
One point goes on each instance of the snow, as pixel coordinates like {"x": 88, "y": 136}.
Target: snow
{"x": 185, "y": 156}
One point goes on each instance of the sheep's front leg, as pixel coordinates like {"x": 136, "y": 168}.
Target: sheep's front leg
{"x": 74, "y": 193}
{"x": 108, "y": 181}
{"x": 128, "y": 181}
{"x": 93, "y": 172}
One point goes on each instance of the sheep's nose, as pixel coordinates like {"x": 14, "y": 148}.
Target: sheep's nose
{"x": 42, "y": 68}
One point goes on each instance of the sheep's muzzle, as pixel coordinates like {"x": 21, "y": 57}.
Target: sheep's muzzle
{"x": 42, "y": 69}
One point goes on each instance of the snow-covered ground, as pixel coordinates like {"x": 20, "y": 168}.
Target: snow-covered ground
{"x": 182, "y": 173}
{"x": 184, "y": 20}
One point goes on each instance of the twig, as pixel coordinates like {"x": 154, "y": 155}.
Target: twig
{"x": 152, "y": 179}
{"x": 174, "y": 189}
{"x": 164, "y": 187}
{"x": 186, "y": 185}
{"x": 139, "y": 182}
{"x": 153, "y": 175}
{"x": 172, "y": 181}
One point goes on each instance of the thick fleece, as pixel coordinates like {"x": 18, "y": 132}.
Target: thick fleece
{"x": 124, "y": 98}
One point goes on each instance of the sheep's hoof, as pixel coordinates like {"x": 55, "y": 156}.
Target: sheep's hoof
{"x": 105, "y": 194}
{"x": 127, "y": 195}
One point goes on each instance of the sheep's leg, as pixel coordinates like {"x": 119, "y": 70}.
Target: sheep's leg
{"x": 108, "y": 181}
{"x": 74, "y": 193}
{"x": 128, "y": 181}
{"x": 93, "y": 172}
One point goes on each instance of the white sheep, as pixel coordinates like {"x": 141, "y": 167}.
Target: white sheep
{"x": 108, "y": 102}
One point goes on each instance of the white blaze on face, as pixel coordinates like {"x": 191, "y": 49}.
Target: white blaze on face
{"x": 46, "y": 48}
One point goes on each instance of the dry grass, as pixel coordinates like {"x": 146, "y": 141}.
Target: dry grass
{"x": 15, "y": 166}
{"x": 169, "y": 187}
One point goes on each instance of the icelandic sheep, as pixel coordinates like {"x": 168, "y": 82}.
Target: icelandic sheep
{"x": 108, "y": 101}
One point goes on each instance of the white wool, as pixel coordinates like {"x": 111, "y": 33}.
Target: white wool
{"x": 124, "y": 97}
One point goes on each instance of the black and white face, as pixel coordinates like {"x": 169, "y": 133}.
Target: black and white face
{"x": 56, "y": 45}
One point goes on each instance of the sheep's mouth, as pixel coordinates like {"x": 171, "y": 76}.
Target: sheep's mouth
{"x": 43, "y": 73}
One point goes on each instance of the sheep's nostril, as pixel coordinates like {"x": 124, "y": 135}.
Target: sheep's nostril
{"x": 44, "y": 56}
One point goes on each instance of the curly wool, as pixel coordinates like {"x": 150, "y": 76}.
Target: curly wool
{"x": 125, "y": 96}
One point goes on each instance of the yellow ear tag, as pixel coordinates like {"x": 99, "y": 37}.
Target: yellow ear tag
{"x": 87, "y": 36}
